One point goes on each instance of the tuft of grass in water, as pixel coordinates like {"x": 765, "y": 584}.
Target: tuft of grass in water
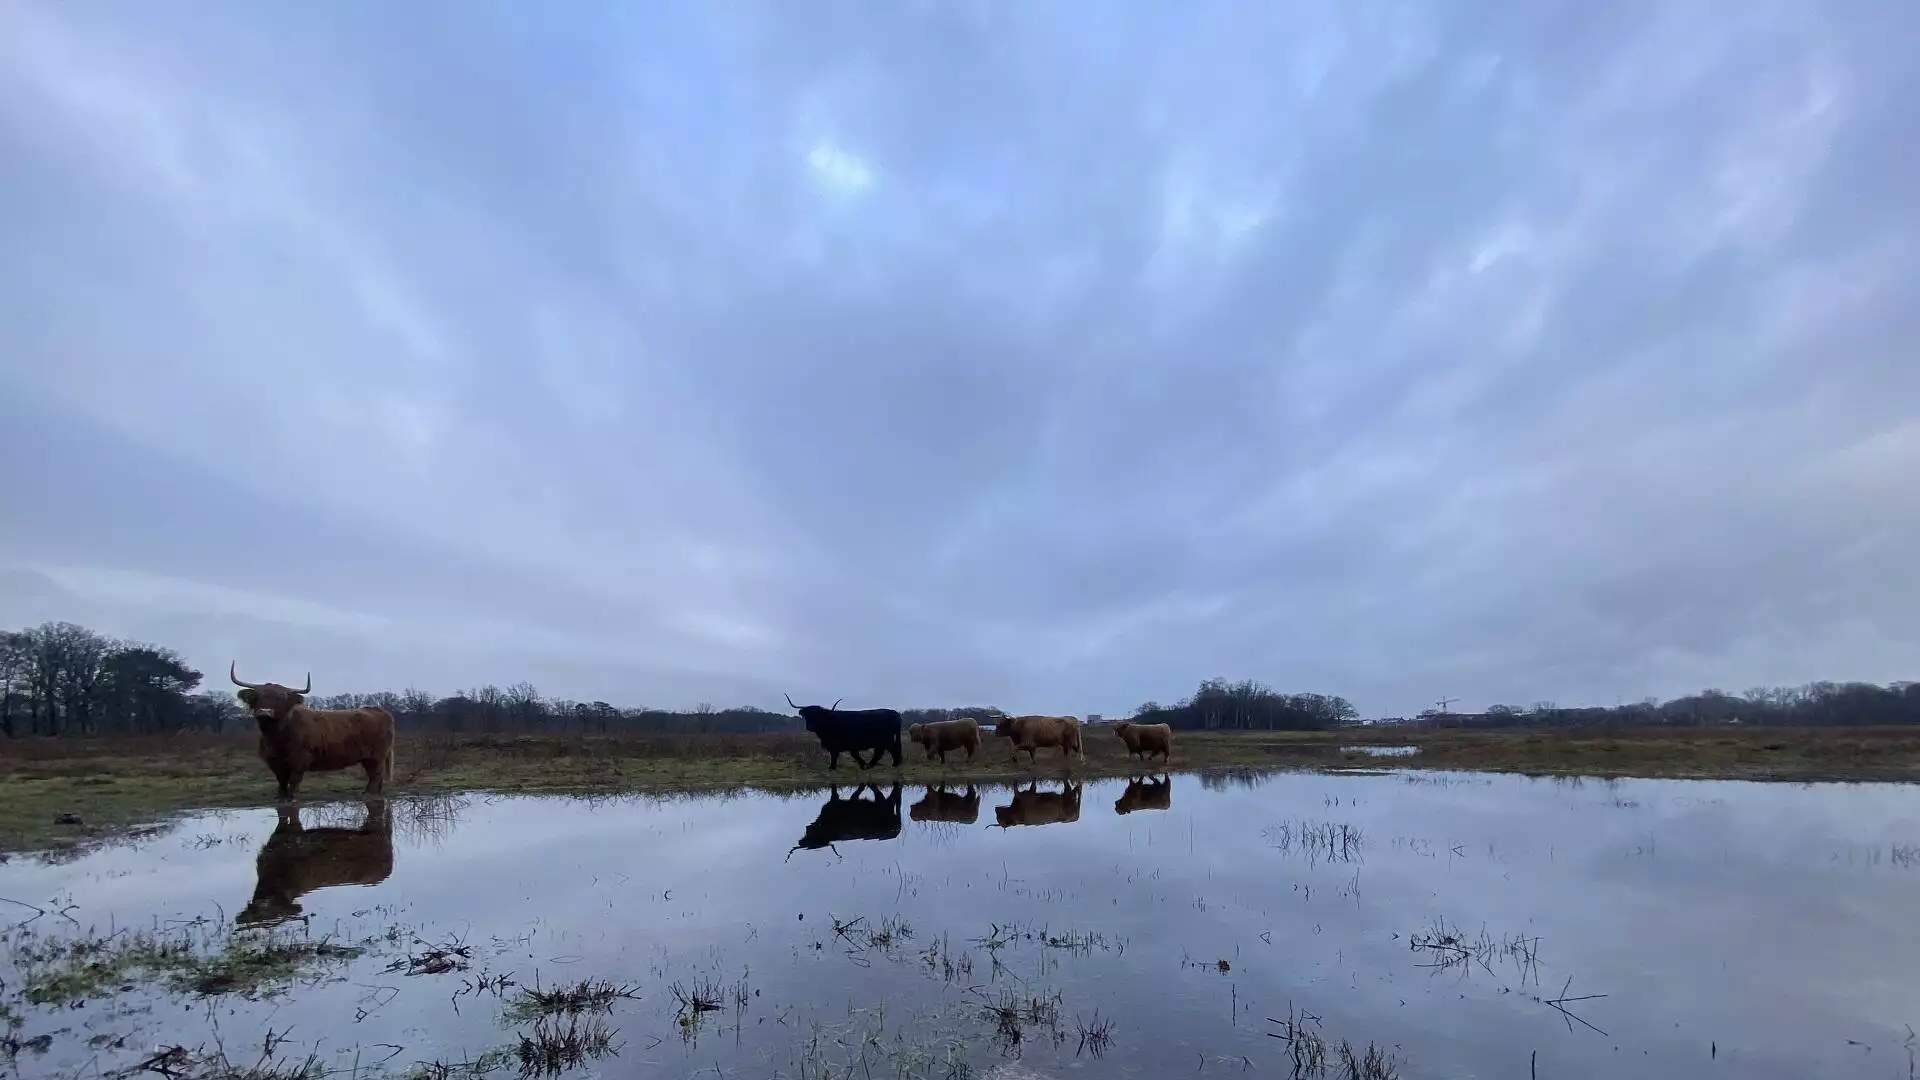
{"x": 177, "y": 1062}
{"x": 552, "y": 1048}
{"x": 438, "y": 958}
{"x": 1095, "y": 1034}
{"x": 587, "y": 995}
{"x": 694, "y": 996}
{"x": 1329, "y": 841}
{"x": 1310, "y": 1056}
{"x": 191, "y": 958}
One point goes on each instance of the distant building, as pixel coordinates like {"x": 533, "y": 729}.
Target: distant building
{"x": 1093, "y": 718}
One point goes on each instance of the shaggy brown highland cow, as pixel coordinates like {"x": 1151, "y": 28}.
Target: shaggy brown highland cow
{"x": 1031, "y": 733}
{"x": 940, "y": 736}
{"x": 296, "y": 739}
{"x": 1146, "y": 740}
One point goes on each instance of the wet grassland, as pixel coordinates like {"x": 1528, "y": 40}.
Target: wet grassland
{"x": 1401, "y": 922}
{"x": 66, "y": 791}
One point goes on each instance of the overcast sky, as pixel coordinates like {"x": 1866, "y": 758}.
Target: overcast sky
{"x": 1048, "y": 355}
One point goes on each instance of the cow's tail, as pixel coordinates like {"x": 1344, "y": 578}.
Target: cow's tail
{"x": 386, "y": 766}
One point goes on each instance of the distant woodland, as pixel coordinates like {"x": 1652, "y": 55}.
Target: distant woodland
{"x": 63, "y": 680}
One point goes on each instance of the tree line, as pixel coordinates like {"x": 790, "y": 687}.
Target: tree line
{"x": 64, "y": 680}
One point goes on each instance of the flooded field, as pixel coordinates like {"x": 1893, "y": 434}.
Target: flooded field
{"x": 1380, "y": 924}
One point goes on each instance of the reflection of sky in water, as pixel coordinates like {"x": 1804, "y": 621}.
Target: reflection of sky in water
{"x": 1769, "y": 919}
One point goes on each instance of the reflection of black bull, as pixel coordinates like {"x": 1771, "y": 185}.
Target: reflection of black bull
{"x": 853, "y": 818}
{"x": 939, "y": 804}
{"x": 296, "y": 860}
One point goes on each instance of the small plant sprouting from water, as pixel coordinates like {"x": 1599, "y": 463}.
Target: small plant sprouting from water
{"x": 1311, "y": 1056}
{"x": 695, "y": 996}
{"x": 179, "y": 1063}
{"x": 1014, "y": 1013}
{"x": 552, "y": 1048}
{"x": 438, "y": 958}
{"x": 1095, "y": 1034}
{"x": 1334, "y": 841}
{"x": 1453, "y": 950}
{"x": 587, "y": 995}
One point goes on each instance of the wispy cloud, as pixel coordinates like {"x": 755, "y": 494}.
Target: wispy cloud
{"x": 1025, "y": 354}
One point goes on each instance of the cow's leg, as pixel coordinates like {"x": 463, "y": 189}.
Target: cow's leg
{"x": 372, "y": 765}
{"x": 833, "y": 762}
{"x": 294, "y": 776}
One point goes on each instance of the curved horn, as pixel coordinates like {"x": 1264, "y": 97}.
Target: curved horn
{"x": 836, "y": 704}
{"x": 308, "y": 689}
{"x": 236, "y": 679}
{"x": 789, "y": 698}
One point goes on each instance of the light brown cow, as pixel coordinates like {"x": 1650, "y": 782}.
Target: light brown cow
{"x": 940, "y": 736}
{"x": 939, "y": 804}
{"x": 1146, "y": 739}
{"x": 296, "y": 860}
{"x": 296, "y": 739}
{"x": 1030, "y": 733}
{"x": 1035, "y": 807}
{"x": 1145, "y": 795}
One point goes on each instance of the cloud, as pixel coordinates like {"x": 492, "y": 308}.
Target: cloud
{"x": 1021, "y": 354}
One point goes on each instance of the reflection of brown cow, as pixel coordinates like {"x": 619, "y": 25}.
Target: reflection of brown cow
{"x": 296, "y": 739}
{"x": 1030, "y": 733}
{"x": 1145, "y": 795}
{"x": 940, "y": 736}
{"x": 1146, "y": 740}
{"x": 295, "y": 861}
{"x": 1034, "y": 807}
{"x": 939, "y": 804}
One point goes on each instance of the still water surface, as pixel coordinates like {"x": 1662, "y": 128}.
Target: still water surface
{"x": 1736, "y": 929}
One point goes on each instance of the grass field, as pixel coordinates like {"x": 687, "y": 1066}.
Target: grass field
{"x": 111, "y": 783}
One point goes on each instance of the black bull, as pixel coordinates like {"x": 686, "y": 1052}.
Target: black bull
{"x": 856, "y": 818}
{"x": 849, "y": 731}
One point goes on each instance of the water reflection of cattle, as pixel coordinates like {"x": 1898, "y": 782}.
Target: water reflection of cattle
{"x": 940, "y": 736}
{"x": 849, "y": 731}
{"x": 1034, "y": 807}
{"x": 854, "y": 818}
{"x": 939, "y": 804}
{"x": 1146, "y": 740}
{"x": 1031, "y": 733}
{"x": 1145, "y": 795}
{"x": 296, "y": 860}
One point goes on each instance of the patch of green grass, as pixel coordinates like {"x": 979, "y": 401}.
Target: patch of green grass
{"x": 65, "y": 971}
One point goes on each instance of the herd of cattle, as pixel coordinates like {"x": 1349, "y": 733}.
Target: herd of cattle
{"x": 850, "y": 731}
{"x": 296, "y": 738}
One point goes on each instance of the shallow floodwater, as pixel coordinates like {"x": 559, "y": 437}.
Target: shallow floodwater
{"x": 1686, "y": 929}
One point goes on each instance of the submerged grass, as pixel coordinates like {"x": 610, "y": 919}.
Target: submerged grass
{"x": 194, "y": 957}
{"x": 62, "y": 792}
